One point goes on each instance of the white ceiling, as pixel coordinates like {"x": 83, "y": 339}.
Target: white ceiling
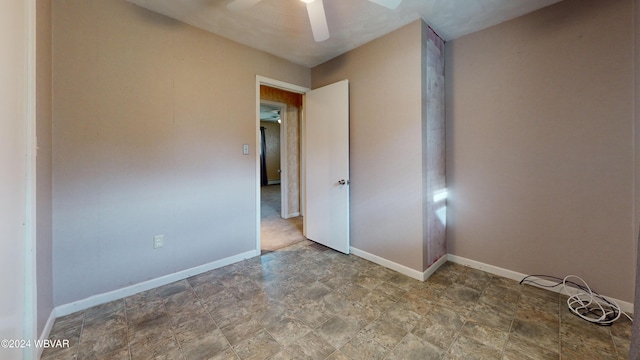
{"x": 281, "y": 27}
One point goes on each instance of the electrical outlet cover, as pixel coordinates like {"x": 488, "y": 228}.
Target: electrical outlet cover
{"x": 158, "y": 241}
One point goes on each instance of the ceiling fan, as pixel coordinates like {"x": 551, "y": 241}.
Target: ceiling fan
{"x": 315, "y": 9}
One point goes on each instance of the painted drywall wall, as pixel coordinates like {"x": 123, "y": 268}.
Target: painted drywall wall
{"x": 44, "y": 245}
{"x": 13, "y": 151}
{"x": 634, "y": 351}
{"x": 540, "y": 155}
{"x": 149, "y": 119}
{"x": 636, "y": 148}
{"x": 385, "y": 143}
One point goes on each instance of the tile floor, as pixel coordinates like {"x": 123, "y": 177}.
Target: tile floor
{"x": 308, "y": 302}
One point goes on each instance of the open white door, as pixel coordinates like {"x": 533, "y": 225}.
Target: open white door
{"x": 326, "y": 145}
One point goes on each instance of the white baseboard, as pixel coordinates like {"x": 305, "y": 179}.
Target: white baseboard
{"x": 292, "y": 215}
{"x": 46, "y": 332}
{"x": 103, "y": 298}
{"x": 415, "y": 274}
{"x": 434, "y": 267}
{"x": 273, "y": 182}
{"x": 91, "y": 301}
{"x": 491, "y": 269}
{"x": 412, "y": 273}
{"x": 514, "y": 275}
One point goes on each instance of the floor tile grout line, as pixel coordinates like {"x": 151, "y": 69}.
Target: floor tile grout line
{"x": 84, "y": 314}
{"x": 614, "y": 343}
{"x": 173, "y": 332}
{"x": 513, "y": 319}
{"x": 126, "y": 324}
{"x": 559, "y": 326}
{"x": 455, "y": 338}
{"x": 200, "y": 300}
{"x": 484, "y": 290}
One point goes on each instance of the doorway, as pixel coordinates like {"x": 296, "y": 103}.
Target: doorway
{"x": 280, "y": 215}
{"x": 326, "y": 113}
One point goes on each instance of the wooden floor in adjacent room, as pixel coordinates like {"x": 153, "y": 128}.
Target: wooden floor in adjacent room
{"x": 276, "y": 232}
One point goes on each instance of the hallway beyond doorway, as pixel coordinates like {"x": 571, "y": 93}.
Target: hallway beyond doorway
{"x": 276, "y": 232}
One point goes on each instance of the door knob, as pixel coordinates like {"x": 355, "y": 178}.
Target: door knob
{"x": 343, "y": 182}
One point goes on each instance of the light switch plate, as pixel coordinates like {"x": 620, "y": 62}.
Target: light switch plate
{"x": 245, "y": 149}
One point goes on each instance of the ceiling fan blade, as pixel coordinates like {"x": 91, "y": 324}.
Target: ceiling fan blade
{"x": 239, "y": 5}
{"x": 318, "y": 20}
{"x": 391, "y": 4}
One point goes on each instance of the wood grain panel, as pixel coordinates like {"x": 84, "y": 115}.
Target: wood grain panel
{"x": 281, "y": 96}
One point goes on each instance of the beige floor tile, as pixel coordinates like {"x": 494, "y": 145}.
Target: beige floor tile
{"x": 518, "y": 349}
{"x": 311, "y": 346}
{"x": 97, "y": 313}
{"x": 62, "y": 333}
{"x": 99, "y": 326}
{"x": 492, "y": 315}
{"x": 385, "y": 332}
{"x": 460, "y": 297}
{"x": 102, "y": 344}
{"x": 537, "y": 333}
{"x": 288, "y": 330}
{"x": 392, "y": 290}
{"x": 260, "y": 346}
{"x": 338, "y": 331}
{"x": 414, "y": 348}
{"x": 193, "y": 329}
{"x": 622, "y": 328}
{"x": 403, "y": 282}
{"x": 474, "y": 279}
{"x": 314, "y": 313}
{"x": 305, "y": 301}
{"x": 622, "y": 347}
{"x": 439, "y": 327}
{"x": 154, "y": 346}
{"x": 337, "y": 355}
{"x": 227, "y": 354}
{"x": 506, "y": 298}
{"x": 469, "y": 349}
{"x": 403, "y": 316}
{"x": 154, "y": 325}
{"x": 489, "y": 336}
{"x": 205, "y": 346}
{"x": 362, "y": 347}
{"x": 66, "y": 322}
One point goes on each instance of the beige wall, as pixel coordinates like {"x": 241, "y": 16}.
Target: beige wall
{"x": 540, "y": 152}
{"x": 634, "y": 351}
{"x": 385, "y": 151}
{"x": 149, "y": 120}
{"x": 636, "y": 148}
{"x": 43, "y": 165}
{"x": 538, "y": 113}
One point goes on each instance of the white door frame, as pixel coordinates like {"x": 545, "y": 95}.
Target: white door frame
{"x": 30, "y": 329}
{"x": 284, "y": 169}
{"x": 262, "y": 80}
